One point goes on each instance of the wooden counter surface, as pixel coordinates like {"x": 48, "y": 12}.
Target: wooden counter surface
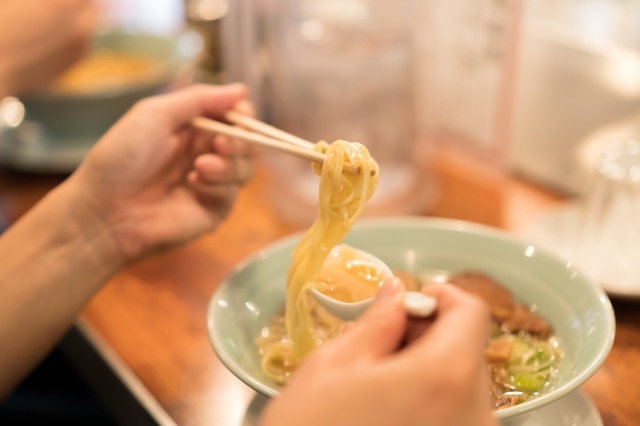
{"x": 148, "y": 324}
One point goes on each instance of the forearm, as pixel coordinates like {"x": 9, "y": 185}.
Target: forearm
{"x": 7, "y": 61}
{"x": 52, "y": 261}
{"x": 5, "y": 89}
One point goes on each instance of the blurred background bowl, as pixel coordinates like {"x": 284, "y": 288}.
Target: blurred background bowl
{"x": 61, "y": 124}
{"x": 578, "y": 310}
{"x": 87, "y": 111}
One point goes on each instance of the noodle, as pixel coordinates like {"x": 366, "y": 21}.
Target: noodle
{"x": 342, "y": 197}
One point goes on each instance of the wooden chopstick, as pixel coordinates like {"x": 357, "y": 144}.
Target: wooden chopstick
{"x": 235, "y": 132}
{"x": 260, "y": 139}
{"x": 267, "y": 129}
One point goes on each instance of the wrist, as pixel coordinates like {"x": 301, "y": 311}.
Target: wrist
{"x": 55, "y": 249}
{"x": 115, "y": 226}
{"x": 99, "y": 241}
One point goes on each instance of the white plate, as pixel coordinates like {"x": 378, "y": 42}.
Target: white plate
{"x": 556, "y": 230}
{"x": 575, "y": 409}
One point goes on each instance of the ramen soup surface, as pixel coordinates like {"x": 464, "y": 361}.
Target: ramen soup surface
{"x": 104, "y": 70}
{"x": 522, "y": 354}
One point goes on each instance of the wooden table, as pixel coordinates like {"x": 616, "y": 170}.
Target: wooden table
{"x": 142, "y": 341}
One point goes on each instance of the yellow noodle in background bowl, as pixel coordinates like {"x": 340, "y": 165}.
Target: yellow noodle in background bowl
{"x": 106, "y": 69}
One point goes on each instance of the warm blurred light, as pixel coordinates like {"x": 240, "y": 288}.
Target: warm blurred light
{"x": 153, "y": 16}
{"x": 312, "y": 29}
{"x": 622, "y": 73}
{"x": 11, "y": 112}
{"x": 207, "y": 10}
{"x": 530, "y": 251}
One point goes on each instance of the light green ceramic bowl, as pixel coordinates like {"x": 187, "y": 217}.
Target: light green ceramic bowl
{"x": 579, "y": 311}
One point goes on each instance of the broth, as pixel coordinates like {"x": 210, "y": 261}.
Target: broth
{"x": 523, "y": 355}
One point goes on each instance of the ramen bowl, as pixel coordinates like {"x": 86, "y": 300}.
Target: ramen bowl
{"x": 578, "y": 310}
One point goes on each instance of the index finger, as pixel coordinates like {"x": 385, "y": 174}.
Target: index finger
{"x": 198, "y": 100}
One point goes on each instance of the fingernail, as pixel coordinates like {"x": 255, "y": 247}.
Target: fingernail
{"x": 236, "y": 86}
{"x": 388, "y": 289}
{"x": 245, "y": 107}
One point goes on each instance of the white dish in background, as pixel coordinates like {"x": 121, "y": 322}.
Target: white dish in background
{"x": 575, "y": 409}
{"x": 556, "y": 232}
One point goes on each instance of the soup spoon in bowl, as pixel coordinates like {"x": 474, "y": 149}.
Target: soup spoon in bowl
{"x": 343, "y": 258}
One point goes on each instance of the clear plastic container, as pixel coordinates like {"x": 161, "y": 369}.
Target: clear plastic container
{"x": 334, "y": 69}
{"x": 608, "y": 238}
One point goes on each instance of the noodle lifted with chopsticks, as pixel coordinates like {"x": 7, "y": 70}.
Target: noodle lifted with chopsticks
{"x": 342, "y": 197}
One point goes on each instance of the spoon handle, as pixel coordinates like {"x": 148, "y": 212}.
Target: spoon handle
{"x": 419, "y": 305}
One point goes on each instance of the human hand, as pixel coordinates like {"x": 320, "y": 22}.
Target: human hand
{"x": 361, "y": 378}
{"x": 39, "y": 39}
{"x": 154, "y": 181}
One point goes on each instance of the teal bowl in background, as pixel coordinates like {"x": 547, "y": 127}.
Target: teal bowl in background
{"x": 59, "y": 128}
{"x": 579, "y": 311}
{"x": 71, "y": 119}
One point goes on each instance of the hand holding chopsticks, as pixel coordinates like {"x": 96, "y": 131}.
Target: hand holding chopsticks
{"x": 265, "y": 135}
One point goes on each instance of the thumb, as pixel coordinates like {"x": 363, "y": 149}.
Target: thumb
{"x": 380, "y": 329}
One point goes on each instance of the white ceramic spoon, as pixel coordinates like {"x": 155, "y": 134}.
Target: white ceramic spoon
{"x": 417, "y": 304}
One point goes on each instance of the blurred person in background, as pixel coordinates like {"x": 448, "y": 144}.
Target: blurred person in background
{"x": 40, "y": 39}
